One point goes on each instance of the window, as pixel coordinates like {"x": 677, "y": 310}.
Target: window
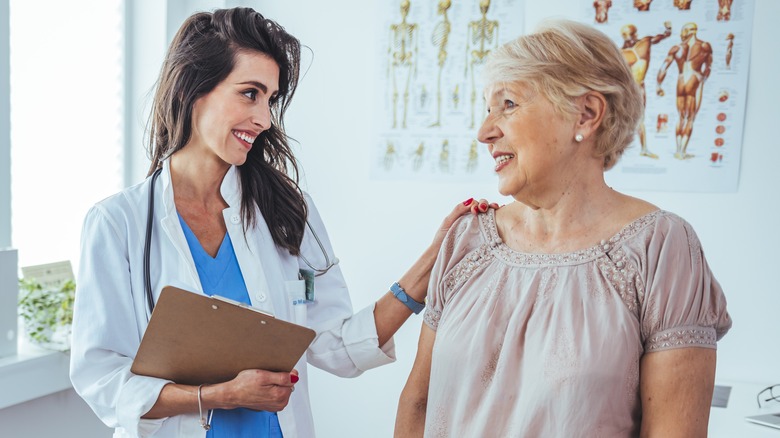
{"x": 67, "y": 67}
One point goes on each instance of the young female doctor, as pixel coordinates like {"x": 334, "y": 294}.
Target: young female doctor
{"x": 220, "y": 214}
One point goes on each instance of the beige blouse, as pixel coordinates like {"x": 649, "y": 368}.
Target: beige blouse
{"x": 548, "y": 345}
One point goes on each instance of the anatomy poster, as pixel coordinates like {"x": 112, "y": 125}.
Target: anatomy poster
{"x": 691, "y": 58}
{"x": 430, "y": 95}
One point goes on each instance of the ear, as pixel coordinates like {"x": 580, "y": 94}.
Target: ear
{"x": 592, "y": 107}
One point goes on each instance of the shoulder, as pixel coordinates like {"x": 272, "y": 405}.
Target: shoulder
{"x": 469, "y": 228}
{"x": 660, "y": 225}
{"x": 668, "y": 225}
{"x": 661, "y": 240}
{"x": 130, "y": 197}
{"x": 466, "y": 236}
{"x": 122, "y": 208}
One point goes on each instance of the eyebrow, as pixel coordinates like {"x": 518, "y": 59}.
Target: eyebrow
{"x": 499, "y": 92}
{"x": 260, "y": 85}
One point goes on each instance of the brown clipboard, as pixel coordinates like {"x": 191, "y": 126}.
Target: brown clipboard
{"x": 196, "y": 339}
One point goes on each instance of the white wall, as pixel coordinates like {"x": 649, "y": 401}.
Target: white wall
{"x": 60, "y": 415}
{"x": 378, "y": 228}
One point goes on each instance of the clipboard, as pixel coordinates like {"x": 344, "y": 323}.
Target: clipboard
{"x": 196, "y": 339}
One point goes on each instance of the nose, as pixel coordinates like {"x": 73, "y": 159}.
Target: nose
{"x": 261, "y": 115}
{"x": 489, "y": 132}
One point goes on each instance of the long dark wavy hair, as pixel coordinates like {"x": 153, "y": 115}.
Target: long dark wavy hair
{"x": 201, "y": 55}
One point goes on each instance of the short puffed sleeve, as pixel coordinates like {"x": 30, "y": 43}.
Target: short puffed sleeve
{"x": 683, "y": 303}
{"x": 462, "y": 238}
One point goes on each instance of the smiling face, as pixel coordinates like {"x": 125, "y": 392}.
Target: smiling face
{"x": 227, "y": 120}
{"x": 531, "y": 142}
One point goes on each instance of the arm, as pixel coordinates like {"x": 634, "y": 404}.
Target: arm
{"x": 410, "y": 419}
{"x": 349, "y": 343}
{"x": 389, "y": 313}
{"x": 708, "y": 63}
{"x": 667, "y": 32}
{"x": 253, "y": 389}
{"x": 676, "y": 391}
{"x": 664, "y": 68}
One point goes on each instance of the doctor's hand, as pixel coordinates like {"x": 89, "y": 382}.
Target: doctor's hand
{"x": 261, "y": 390}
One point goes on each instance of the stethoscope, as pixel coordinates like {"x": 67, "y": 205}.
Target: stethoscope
{"x": 329, "y": 263}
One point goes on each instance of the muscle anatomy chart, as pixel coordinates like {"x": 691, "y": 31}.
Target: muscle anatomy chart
{"x": 430, "y": 93}
{"x": 691, "y": 59}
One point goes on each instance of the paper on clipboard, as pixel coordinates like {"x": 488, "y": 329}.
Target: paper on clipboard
{"x": 195, "y": 339}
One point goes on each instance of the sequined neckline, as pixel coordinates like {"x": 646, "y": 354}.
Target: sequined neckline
{"x": 503, "y": 251}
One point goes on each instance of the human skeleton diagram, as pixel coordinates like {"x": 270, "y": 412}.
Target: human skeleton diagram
{"x": 724, "y": 10}
{"x": 693, "y": 58}
{"x": 403, "y": 59}
{"x": 471, "y": 164}
{"x": 441, "y": 35}
{"x": 423, "y": 96}
{"x": 482, "y": 36}
{"x": 417, "y": 156}
{"x": 602, "y": 10}
{"x": 636, "y": 51}
{"x": 729, "y": 48}
{"x": 455, "y": 96}
{"x": 389, "y": 155}
{"x": 642, "y": 5}
{"x": 444, "y": 156}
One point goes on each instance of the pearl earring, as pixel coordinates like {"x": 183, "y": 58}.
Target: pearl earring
{"x": 578, "y": 138}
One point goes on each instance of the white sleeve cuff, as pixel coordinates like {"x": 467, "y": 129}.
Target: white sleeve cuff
{"x": 362, "y": 341}
{"x": 134, "y": 402}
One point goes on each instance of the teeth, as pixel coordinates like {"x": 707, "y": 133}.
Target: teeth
{"x": 244, "y": 136}
{"x": 504, "y": 158}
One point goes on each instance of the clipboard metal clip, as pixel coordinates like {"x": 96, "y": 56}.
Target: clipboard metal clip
{"x": 240, "y": 304}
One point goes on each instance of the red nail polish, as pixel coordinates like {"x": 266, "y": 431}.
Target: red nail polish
{"x": 293, "y": 378}
{"x": 468, "y": 202}
{"x": 483, "y": 207}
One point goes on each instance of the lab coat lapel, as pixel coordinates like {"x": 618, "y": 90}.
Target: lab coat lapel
{"x": 173, "y": 231}
{"x": 259, "y": 270}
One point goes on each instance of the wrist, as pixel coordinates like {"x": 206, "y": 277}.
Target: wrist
{"x": 214, "y": 397}
{"x": 400, "y": 294}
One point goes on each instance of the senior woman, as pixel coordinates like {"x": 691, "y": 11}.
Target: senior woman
{"x": 582, "y": 311}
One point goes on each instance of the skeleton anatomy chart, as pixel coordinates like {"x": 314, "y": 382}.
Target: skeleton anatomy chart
{"x": 430, "y": 93}
{"x": 691, "y": 58}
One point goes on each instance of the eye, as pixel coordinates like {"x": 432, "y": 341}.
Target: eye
{"x": 251, "y": 94}
{"x": 508, "y": 104}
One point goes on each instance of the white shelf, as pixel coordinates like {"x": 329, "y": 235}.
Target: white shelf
{"x": 33, "y": 372}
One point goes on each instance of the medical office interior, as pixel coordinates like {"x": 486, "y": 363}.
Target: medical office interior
{"x": 75, "y": 133}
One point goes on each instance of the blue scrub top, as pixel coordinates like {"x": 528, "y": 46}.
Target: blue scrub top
{"x": 222, "y": 276}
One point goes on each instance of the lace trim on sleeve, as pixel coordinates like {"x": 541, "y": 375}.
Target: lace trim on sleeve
{"x": 431, "y": 318}
{"x": 681, "y": 337}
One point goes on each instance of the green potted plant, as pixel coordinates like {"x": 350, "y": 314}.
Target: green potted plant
{"x": 46, "y": 313}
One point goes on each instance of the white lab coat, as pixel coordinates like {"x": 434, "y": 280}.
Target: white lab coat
{"x": 111, "y": 310}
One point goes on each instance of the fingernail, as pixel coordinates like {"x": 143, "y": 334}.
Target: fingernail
{"x": 468, "y": 202}
{"x": 293, "y": 378}
{"x": 483, "y": 207}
